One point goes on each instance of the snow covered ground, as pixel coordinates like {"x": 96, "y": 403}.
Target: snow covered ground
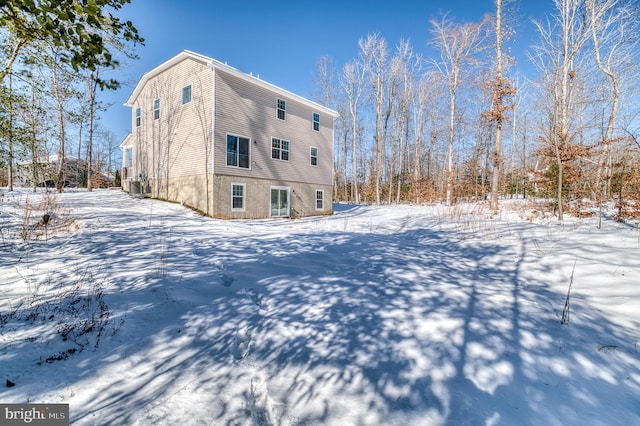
{"x": 141, "y": 312}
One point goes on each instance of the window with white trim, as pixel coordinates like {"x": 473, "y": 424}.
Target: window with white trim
{"x": 238, "y": 151}
{"x": 279, "y": 149}
{"x": 314, "y": 156}
{"x": 186, "y": 94}
{"x": 281, "y": 107}
{"x": 238, "y": 196}
{"x": 316, "y": 121}
{"x": 156, "y": 109}
{"x": 138, "y": 114}
{"x": 279, "y": 201}
{"x": 319, "y": 199}
{"x": 128, "y": 157}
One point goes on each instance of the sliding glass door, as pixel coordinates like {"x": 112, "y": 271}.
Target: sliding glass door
{"x": 279, "y": 201}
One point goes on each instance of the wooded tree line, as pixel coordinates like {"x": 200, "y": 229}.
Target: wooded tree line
{"x": 56, "y": 57}
{"x": 466, "y": 123}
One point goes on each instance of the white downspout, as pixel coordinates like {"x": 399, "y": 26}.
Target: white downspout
{"x": 213, "y": 117}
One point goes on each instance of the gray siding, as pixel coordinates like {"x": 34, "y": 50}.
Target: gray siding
{"x": 250, "y": 111}
{"x": 178, "y": 144}
{"x": 257, "y": 198}
{"x": 183, "y": 153}
{"x": 173, "y": 145}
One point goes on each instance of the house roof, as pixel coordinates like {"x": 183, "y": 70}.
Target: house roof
{"x": 47, "y": 159}
{"x": 215, "y": 64}
{"x": 126, "y": 141}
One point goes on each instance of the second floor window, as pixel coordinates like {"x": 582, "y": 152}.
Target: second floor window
{"x": 282, "y": 108}
{"x": 156, "y": 109}
{"x": 279, "y": 149}
{"x": 314, "y": 156}
{"x": 238, "y": 151}
{"x": 186, "y": 94}
{"x": 316, "y": 121}
{"x": 138, "y": 113}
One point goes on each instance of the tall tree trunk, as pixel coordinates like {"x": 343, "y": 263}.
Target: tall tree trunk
{"x": 93, "y": 86}
{"x": 596, "y": 15}
{"x": 10, "y": 141}
{"x": 404, "y": 140}
{"x": 452, "y": 116}
{"x": 344, "y": 163}
{"x": 356, "y": 194}
{"x": 61, "y": 126}
{"x": 497, "y": 149}
{"x": 417, "y": 147}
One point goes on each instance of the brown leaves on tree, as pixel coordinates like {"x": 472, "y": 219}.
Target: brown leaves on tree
{"x": 502, "y": 100}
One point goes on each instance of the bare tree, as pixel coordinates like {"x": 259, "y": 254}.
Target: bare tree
{"x": 418, "y": 106}
{"x": 381, "y": 79}
{"x": 62, "y": 90}
{"x": 561, "y": 44}
{"x": 403, "y": 66}
{"x": 33, "y": 115}
{"x": 11, "y": 133}
{"x": 352, "y": 82}
{"x": 425, "y": 106}
{"x": 457, "y": 44}
{"x": 519, "y": 130}
{"x": 613, "y": 26}
{"x": 325, "y": 80}
{"x": 110, "y": 145}
{"x": 92, "y": 87}
{"x": 502, "y": 92}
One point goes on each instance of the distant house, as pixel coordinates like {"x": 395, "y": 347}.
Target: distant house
{"x": 43, "y": 172}
{"x": 227, "y": 143}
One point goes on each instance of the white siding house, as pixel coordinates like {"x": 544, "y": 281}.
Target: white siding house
{"x": 226, "y": 143}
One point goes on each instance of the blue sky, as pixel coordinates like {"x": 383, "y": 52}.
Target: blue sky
{"x": 281, "y": 41}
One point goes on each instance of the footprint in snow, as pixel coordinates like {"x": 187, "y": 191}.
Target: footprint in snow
{"x": 257, "y": 299}
{"x": 241, "y": 343}
{"x": 259, "y": 404}
{"x": 225, "y": 280}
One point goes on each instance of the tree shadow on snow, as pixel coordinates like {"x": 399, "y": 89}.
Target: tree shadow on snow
{"x": 411, "y": 327}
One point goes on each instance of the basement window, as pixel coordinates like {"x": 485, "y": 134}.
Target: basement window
{"x": 237, "y": 196}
